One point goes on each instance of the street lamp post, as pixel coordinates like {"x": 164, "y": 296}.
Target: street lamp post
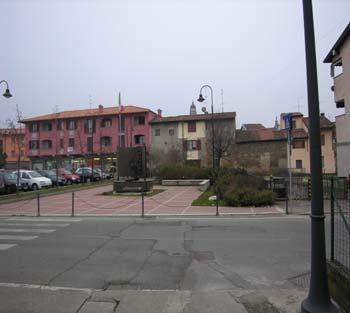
{"x": 318, "y": 299}
{"x": 201, "y": 99}
{"x": 7, "y": 93}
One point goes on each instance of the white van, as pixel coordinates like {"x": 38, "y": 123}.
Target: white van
{"x": 34, "y": 179}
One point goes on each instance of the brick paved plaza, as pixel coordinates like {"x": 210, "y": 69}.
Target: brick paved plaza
{"x": 172, "y": 201}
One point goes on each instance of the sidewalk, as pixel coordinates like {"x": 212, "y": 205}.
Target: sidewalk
{"x": 150, "y": 301}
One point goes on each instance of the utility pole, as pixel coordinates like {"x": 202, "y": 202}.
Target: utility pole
{"x": 318, "y": 299}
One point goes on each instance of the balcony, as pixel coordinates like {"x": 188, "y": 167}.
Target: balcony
{"x": 339, "y": 88}
{"x": 298, "y": 170}
{"x": 343, "y": 128}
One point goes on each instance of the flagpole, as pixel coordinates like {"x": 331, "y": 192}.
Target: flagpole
{"x": 120, "y": 131}
{"x": 120, "y": 120}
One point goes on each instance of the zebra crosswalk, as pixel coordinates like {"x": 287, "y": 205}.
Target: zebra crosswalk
{"x": 17, "y": 230}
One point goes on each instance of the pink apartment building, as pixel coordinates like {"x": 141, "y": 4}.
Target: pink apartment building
{"x": 80, "y": 137}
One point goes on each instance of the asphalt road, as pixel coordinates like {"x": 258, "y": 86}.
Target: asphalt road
{"x": 198, "y": 255}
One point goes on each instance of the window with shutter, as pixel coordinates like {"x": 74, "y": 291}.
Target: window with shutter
{"x": 192, "y": 145}
{"x": 191, "y": 127}
{"x": 198, "y": 144}
{"x": 90, "y": 145}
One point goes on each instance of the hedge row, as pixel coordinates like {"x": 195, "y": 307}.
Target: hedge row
{"x": 233, "y": 185}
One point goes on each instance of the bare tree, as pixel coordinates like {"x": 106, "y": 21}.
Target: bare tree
{"x": 160, "y": 157}
{"x": 3, "y": 155}
{"x": 224, "y": 139}
{"x": 17, "y": 137}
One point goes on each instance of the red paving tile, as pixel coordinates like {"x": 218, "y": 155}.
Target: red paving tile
{"x": 173, "y": 201}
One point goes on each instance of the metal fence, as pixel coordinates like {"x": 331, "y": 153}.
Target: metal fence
{"x": 340, "y": 223}
{"x": 300, "y": 188}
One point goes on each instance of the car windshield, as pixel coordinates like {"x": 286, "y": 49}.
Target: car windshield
{"x": 34, "y": 174}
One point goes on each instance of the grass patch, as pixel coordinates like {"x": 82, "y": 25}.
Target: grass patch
{"x": 111, "y": 193}
{"x": 27, "y": 195}
{"x": 203, "y": 199}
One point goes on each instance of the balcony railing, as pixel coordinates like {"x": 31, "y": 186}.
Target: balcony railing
{"x": 339, "y": 88}
{"x": 298, "y": 170}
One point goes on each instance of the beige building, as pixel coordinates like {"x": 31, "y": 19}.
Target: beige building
{"x": 339, "y": 57}
{"x": 186, "y": 138}
{"x": 300, "y": 149}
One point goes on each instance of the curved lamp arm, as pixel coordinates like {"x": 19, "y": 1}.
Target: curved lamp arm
{"x": 7, "y": 93}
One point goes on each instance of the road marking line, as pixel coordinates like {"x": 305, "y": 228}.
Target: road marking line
{"x": 16, "y": 237}
{"x": 44, "y": 287}
{"x": 26, "y": 230}
{"x": 5, "y": 246}
{"x": 35, "y": 225}
{"x": 37, "y": 219}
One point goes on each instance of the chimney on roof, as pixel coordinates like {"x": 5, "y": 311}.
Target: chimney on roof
{"x": 322, "y": 114}
{"x": 159, "y": 111}
{"x": 100, "y": 108}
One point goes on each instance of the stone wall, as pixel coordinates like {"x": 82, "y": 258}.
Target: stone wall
{"x": 263, "y": 156}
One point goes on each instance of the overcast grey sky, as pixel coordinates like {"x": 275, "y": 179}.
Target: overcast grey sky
{"x": 158, "y": 53}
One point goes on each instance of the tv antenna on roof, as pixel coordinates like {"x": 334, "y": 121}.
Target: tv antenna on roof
{"x": 222, "y": 100}
{"x": 299, "y": 105}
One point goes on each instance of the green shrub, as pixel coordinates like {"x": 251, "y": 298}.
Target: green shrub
{"x": 171, "y": 171}
{"x": 249, "y": 197}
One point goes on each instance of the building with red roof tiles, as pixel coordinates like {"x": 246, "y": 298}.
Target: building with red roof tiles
{"x": 186, "y": 139}
{"x": 12, "y": 148}
{"x": 300, "y": 156}
{"x": 261, "y": 150}
{"x": 266, "y": 149}
{"x": 81, "y": 137}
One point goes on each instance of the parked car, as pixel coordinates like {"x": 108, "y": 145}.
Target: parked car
{"x": 34, "y": 179}
{"x": 23, "y": 185}
{"x": 69, "y": 177}
{"x": 56, "y": 179}
{"x": 10, "y": 181}
{"x": 104, "y": 174}
{"x": 2, "y": 185}
{"x": 87, "y": 175}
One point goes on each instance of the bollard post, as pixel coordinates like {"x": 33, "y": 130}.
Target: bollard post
{"x": 143, "y": 204}
{"x": 72, "y": 203}
{"x": 217, "y": 204}
{"x": 38, "y": 202}
{"x": 332, "y": 218}
{"x": 287, "y": 202}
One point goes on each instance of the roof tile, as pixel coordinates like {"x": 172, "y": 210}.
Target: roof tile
{"x": 197, "y": 117}
{"x": 87, "y": 112}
